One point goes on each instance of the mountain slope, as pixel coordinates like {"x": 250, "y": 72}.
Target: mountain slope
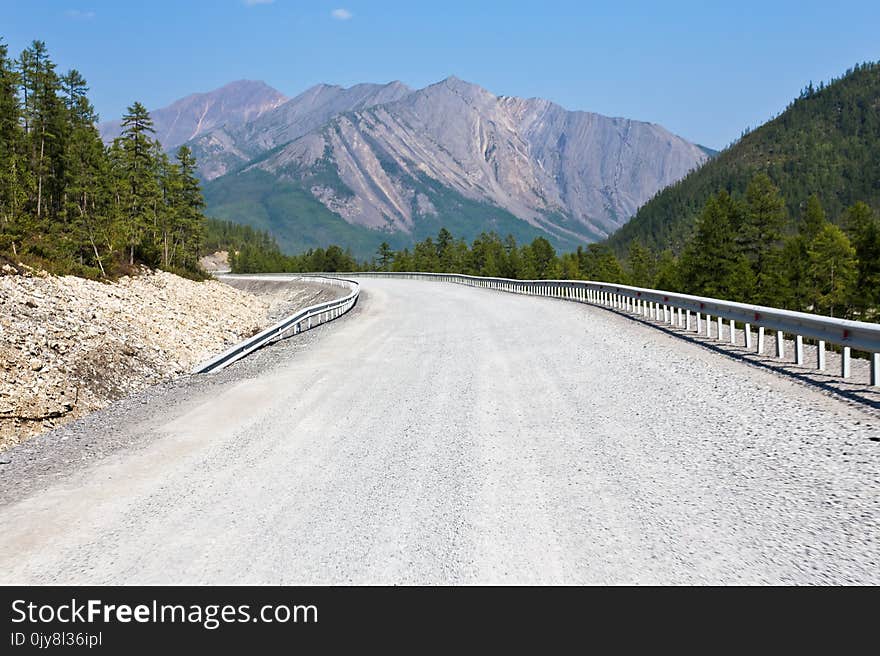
{"x": 229, "y": 147}
{"x": 575, "y": 176}
{"x": 298, "y": 221}
{"x": 233, "y": 104}
{"x": 826, "y": 142}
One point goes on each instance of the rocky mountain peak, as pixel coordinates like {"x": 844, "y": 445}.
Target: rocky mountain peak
{"x": 186, "y": 119}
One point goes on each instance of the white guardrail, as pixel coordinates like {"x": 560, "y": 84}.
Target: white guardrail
{"x": 694, "y": 313}
{"x": 303, "y": 320}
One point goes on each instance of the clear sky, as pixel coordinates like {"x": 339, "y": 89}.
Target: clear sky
{"x": 705, "y": 70}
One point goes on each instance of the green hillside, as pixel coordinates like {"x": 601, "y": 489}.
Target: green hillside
{"x": 299, "y": 222}
{"x": 827, "y": 142}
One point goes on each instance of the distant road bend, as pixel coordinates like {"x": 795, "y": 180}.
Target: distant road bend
{"x": 444, "y": 434}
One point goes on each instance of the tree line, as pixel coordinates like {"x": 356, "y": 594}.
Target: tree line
{"x": 70, "y": 204}
{"x": 742, "y": 250}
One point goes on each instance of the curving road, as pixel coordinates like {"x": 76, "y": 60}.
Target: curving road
{"x": 470, "y": 436}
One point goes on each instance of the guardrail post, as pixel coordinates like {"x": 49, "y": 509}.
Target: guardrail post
{"x": 708, "y": 325}
{"x": 748, "y": 332}
{"x": 699, "y": 323}
{"x": 780, "y": 344}
{"x": 733, "y": 332}
{"x": 799, "y": 350}
{"x": 875, "y": 369}
{"x": 720, "y": 328}
{"x": 845, "y": 365}
{"x": 687, "y": 320}
{"x": 820, "y": 355}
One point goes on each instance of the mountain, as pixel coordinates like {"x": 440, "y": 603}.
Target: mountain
{"x": 186, "y": 119}
{"x": 231, "y": 146}
{"x": 451, "y": 154}
{"x": 376, "y": 162}
{"x": 827, "y": 142}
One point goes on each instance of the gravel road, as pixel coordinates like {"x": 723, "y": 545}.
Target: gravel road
{"x": 467, "y": 437}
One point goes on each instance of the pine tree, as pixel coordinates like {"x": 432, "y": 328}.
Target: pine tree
{"x": 540, "y": 259}
{"x": 863, "y": 225}
{"x": 813, "y": 220}
{"x": 713, "y": 263}
{"x": 761, "y": 239}
{"x": 12, "y": 183}
{"x": 86, "y": 195}
{"x": 599, "y": 263}
{"x": 45, "y": 128}
{"x": 385, "y": 255}
{"x": 445, "y": 250}
{"x": 834, "y": 270}
{"x": 795, "y": 256}
{"x": 668, "y": 272}
{"x": 188, "y": 205}
{"x": 641, "y": 266}
{"x": 513, "y": 261}
{"x": 425, "y": 256}
{"x": 136, "y": 168}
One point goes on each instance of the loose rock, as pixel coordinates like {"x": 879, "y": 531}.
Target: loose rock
{"x": 70, "y": 346}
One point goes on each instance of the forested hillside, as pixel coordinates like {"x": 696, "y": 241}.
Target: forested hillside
{"x": 827, "y": 142}
{"x": 70, "y": 205}
{"x": 487, "y": 255}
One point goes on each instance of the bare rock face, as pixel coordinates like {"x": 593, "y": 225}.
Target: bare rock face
{"x": 570, "y": 173}
{"x": 188, "y": 118}
{"x": 230, "y": 147}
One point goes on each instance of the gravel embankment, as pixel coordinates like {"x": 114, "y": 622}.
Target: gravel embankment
{"x": 462, "y": 436}
{"x": 70, "y": 346}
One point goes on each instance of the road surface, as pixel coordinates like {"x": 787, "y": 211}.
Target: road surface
{"x": 444, "y": 434}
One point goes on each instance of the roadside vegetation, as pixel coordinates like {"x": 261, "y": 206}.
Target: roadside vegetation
{"x": 739, "y": 251}
{"x": 70, "y": 205}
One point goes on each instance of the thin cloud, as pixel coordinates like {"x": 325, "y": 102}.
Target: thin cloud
{"x": 254, "y": 3}
{"x": 342, "y": 14}
{"x": 79, "y": 14}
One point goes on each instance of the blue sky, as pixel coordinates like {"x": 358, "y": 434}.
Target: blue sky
{"x": 705, "y": 70}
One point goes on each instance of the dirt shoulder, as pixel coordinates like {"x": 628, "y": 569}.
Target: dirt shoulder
{"x": 70, "y": 346}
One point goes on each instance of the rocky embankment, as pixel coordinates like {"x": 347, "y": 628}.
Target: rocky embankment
{"x": 69, "y": 346}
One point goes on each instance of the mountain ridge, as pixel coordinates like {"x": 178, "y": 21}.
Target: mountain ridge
{"x": 185, "y": 119}
{"x": 388, "y": 158}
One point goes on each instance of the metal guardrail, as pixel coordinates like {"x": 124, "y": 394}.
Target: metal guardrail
{"x": 695, "y": 313}
{"x": 303, "y": 320}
